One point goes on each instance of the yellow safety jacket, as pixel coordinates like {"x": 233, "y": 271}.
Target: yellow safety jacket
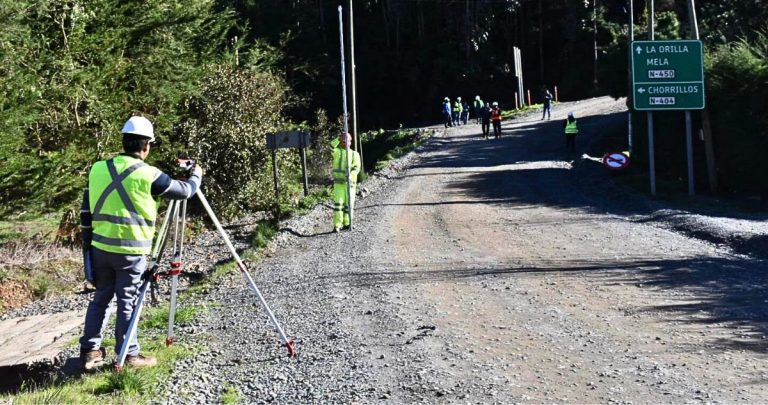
{"x": 121, "y": 204}
{"x": 340, "y": 166}
{"x": 571, "y": 127}
{"x": 457, "y": 107}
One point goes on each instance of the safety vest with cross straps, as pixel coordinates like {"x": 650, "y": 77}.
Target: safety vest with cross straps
{"x": 121, "y": 204}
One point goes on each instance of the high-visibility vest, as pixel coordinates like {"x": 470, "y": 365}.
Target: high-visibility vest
{"x": 495, "y": 114}
{"x": 457, "y": 107}
{"x": 340, "y": 166}
{"x": 571, "y": 127}
{"x": 121, "y": 205}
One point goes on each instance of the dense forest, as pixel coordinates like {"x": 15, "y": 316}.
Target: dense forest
{"x": 215, "y": 75}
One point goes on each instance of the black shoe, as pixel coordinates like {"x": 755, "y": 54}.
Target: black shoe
{"x": 345, "y": 228}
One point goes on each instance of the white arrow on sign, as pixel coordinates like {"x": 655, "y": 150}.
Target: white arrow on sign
{"x": 639, "y": 50}
{"x": 641, "y": 90}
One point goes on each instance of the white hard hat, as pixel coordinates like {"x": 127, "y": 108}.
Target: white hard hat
{"x": 477, "y": 97}
{"x": 447, "y": 99}
{"x": 139, "y": 126}
{"x": 458, "y": 98}
{"x": 570, "y": 114}
{"x": 495, "y": 103}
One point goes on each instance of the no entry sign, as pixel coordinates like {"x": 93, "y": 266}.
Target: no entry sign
{"x": 616, "y": 160}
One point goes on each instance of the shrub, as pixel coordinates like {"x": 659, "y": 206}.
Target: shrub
{"x": 225, "y": 128}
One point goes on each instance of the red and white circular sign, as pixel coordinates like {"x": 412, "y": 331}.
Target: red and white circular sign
{"x": 616, "y": 160}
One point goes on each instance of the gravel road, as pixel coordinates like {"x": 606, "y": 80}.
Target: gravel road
{"x": 487, "y": 271}
{"x": 494, "y": 271}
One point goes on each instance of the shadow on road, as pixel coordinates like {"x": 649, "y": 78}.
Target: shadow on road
{"x": 729, "y": 292}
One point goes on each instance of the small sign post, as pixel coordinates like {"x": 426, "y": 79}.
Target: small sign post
{"x": 289, "y": 139}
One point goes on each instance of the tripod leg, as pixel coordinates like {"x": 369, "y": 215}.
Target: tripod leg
{"x": 132, "y": 326}
{"x": 288, "y": 343}
{"x": 176, "y": 268}
{"x": 159, "y": 246}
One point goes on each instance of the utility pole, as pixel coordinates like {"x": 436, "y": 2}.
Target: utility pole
{"x": 594, "y": 37}
{"x": 709, "y": 150}
{"x": 651, "y": 156}
{"x": 630, "y": 95}
{"x": 353, "y": 70}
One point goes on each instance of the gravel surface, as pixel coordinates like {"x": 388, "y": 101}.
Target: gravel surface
{"x": 490, "y": 271}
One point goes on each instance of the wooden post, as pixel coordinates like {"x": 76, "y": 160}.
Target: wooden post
{"x": 709, "y": 151}
{"x": 274, "y": 178}
{"x": 303, "y": 154}
{"x": 529, "y": 97}
{"x": 556, "y": 96}
{"x": 517, "y": 102}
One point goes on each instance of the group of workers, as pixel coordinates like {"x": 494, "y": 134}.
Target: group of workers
{"x": 457, "y": 113}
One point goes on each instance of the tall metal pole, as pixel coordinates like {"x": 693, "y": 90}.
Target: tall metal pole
{"x": 594, "y": 38}
{"x": 688, "y": 124}
{"x": 651, "y": 156}
{"x": 346, "y": 116}
{"x": 353, "y": 73}
{"x": 629, "y": 64}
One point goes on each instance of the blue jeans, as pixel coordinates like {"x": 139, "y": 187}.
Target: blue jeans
{"x": 115, "y": 275}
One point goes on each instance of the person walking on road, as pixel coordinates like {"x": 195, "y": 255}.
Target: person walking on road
{"x": 457, "y": 109}
{"x": 485, "y": 116}
{"x": 343, "y": 202}
{"x": 464, "y": 113}
{"x": 117, "y": 218}
{"x": 496, "y": 119}
{"x": 447, "y": 112}
{"x": 478, "y": 106}
{"x": 571, "y": 130}
{"x": 547, "y": 112}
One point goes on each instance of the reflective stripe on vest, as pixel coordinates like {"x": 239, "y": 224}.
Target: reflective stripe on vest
{"x": 571, "y": 127}
{"x": 122, "y": 206}
{"x": 457, "y": 107}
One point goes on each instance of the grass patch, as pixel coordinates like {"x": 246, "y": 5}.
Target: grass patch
{"x": 264, "y": 232}
{"x": 157, "y": 317}
{"x": 382, "y": 146}
{"x": 130, "y": 385}
{"x": 230, "y": 396}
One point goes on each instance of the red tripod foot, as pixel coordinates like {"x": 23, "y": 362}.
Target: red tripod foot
{"x": 291, "y": 348}
{"x": 169, "y": 341}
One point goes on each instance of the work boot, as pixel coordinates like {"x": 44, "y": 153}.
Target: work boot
{"x": 345, "y": 228}
{"x": 140, "y": 361}
{"x": 93, "y": 359}
{"x": 336, "y": 229}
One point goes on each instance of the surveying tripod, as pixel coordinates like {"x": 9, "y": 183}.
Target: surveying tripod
{"x": 175, "y": 217}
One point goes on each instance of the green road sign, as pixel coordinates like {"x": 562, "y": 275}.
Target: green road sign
{"x": 668, "y": 75}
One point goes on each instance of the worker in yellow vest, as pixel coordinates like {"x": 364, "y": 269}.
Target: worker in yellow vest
{"x": 343, "y": 198}
{"x": 118, "y": 217}
{"x": 571, "y": 130}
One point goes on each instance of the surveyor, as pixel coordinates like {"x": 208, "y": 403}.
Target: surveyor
{"x": 343, "y": 201}
{"x": 457, "y": 109}
{"x": 447, "y": 112}
{"x": 571, "y": 130}
{"x": 547, "y": 111}
{"x": 496, "y": 119}
{"x": 478, "y": 107}
{"x": 485, "y": 116}
{"x": 464, "y": 113}
{"x": 118, "y": 223}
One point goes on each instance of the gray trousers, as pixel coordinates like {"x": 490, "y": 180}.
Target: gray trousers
{"x": 115, "y": 275}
